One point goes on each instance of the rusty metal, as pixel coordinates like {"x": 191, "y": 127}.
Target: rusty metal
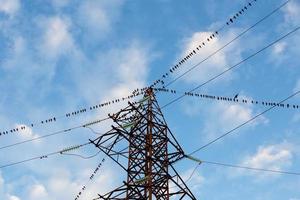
{"x": 141, "y": 143}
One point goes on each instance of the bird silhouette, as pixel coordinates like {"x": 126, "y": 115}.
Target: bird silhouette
{"x": 236, "y": 96}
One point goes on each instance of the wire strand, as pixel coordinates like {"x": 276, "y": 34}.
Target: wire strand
{"x": 64, "y": 131}
{"x": 232, "y": 99}
{"x": 84, "y": 187}
{"x": 72, "y": 114}
{"x": 227, "y": 44}
{"x": 190, "y": 177}
{"x": 243, "y": 124}
{"x": 251, "y": 168}
{"x": 37, "y": 157}
{"x": 203, "y": 43}
{"x": 93, "y": 131}
{"x": 80, "y": 156}
{"x": 234, "y": 66}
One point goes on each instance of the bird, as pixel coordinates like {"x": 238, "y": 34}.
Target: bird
{"x": 236, "y": 96}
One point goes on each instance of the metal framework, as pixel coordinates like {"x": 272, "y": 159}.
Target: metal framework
{"x": 142, "y": 144}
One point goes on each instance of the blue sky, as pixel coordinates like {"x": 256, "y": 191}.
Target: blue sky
{"x": 61, "y": 55}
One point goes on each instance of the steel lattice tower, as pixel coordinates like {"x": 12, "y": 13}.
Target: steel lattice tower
{"x": 142, "y": 144}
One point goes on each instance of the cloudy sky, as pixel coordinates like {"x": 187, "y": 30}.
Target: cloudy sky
{"x": 58, "y": 56}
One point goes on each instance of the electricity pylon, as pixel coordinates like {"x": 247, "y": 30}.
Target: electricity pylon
{"x": 142, "y": 144}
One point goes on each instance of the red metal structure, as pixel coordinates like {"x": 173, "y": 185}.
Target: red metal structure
{"x": 142, "y": 144}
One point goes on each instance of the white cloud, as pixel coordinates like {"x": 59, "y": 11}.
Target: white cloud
{"x": 193, "y": 179}
{"x": 37, "y": 191}
{"x": 27, "y": 133}
{"x": 18, "y": 50}
{"x": 9, "y": 7}
{"x": 292, "y": 13}
{"x": 129, "y": 71}
{"x": 226, "y": 116}
{"x": 213, "y": 66}
{"x": 275, "y": 157}
{"x": 234, "y": 114}
{"x": 116, "y": 76}
{"x": 63, "y": 181}
{"x": 279, "y": 48}
{"x": 57, "y": 39}
{"x": 133, "y": 65}
{"x": 196, "y": 181}
{"x": 11, "y": 197}
{"x": 3, "y": 192}
{"x": 284, "y": 54}
{"x": 110, "y": 183}
{"x": 97, "y": 17}
{"x": 126, "y": 67}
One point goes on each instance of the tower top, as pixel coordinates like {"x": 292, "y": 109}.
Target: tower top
{"x": 141, "y": 143}
{"x": 149, "y": 92}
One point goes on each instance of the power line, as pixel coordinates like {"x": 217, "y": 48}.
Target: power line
{"x": 190, "y": 176}
{"x": 251, "y": 168}
{"x": 93, "y": 131}
{"x": 81, "y": 156}
{"x": 83, "y": 188}
{"x": 64, "y": 131}
{"x": 199, "y": 162}
{"x": 238, "y": 167}
{"x": 231, "y": 41}
{"x": 234, "y": 66}
{"x": 241, "y": 125}
{"x": 62, "y": 152}
{"x": 203, "y": 43}
{"x": 23, "y": 127}
{"x": 38, "y": 157}
{"x": 230, "y": 99}
{"x": 148, "y": 132}
{"x": 96, "y": 106}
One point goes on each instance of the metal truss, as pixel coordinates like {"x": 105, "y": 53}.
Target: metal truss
{"x": 141, "y": 143}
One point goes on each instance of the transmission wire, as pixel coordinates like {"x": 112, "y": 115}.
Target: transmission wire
{"x": 234, "y": 66}
{"x": 227, "y": 44}
{"x": 37, "y": 157}
{"x": 64, "y": 131}
{"x": 251, "y": 168}
{"x": 241, "y": 125}
{"x": 80, "y": 156}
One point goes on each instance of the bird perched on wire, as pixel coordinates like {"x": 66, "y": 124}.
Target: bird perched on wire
{"x": 236, "y": 96}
